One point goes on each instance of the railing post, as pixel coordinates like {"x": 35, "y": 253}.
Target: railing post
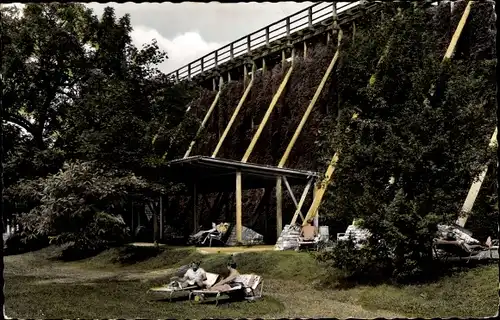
{"x": 310, "y": 17}
{"x": 189, "y": 72}
{"x": 335, "y": 17}
{"x": 288, "y": 27}
{"x": 177, "y": 75}
{"x": 201, "y": 64}
{"x": 267, "y": 36}
{"x": 216, "y": 58}
{"x": 248, "y": 44}
{"x": 231, "y": 51}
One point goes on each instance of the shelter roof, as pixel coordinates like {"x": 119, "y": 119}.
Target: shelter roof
{"x": 217, "y": 174}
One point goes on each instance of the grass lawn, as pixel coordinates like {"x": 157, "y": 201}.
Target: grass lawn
{"x": 114, "y": 284}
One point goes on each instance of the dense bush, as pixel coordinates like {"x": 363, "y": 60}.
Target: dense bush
{"x": 80, "y": 205}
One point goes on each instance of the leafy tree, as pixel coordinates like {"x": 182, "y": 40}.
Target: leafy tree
{"x": 433, "y": 146}
{"x": 81, "y": 205}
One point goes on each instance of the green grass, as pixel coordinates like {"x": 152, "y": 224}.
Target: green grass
{"x": 293, "y": 286}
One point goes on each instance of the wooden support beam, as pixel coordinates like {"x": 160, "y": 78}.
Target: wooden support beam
{"x": 264, "y": 65}
{"x": 324, "y": 184}
{"x": 196, "y": 222}
{"x": 458, "y": 32}
{"x": 301, "y": 203}
{"x": 475, "y": 187}
{"x": 290, "y": 191}
{"x": 283, "y": 58}
{"x": 279, "y": 207}
{"x": 239, "y": 227}
{"x": 233, "y": 117}
{"x": 205, "y": 120}
{"x": 305, "y": 49}
{"x": 245, "y": 76}
{"x": 161, "y": 217}
{"x": 295, "y": 136}
{"x": 267, "y": 115}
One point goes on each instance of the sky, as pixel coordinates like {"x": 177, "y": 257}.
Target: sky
{"x": 189, "y": 30}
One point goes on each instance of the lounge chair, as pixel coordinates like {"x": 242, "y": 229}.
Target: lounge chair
{"x": 170, "y": 290}
{"x": 455, "y": 249}
{"x": 245, "y": 284}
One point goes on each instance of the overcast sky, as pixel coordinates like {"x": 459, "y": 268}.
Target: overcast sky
{"x": 190, "y": 30}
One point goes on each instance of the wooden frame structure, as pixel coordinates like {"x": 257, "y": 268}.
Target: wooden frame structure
{"x": 211, "y": 175}
{"x": 243, "y": 172}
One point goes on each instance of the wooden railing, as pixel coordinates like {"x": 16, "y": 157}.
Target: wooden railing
{"x": 305, "y": 18}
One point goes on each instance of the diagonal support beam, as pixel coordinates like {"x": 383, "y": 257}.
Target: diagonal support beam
{"x": 285, "y": 156}
{"x": 301, "y": 203}
{"x": 205, "y": 120}
{"x": 458, "y": 32}
{"x": 267, "y": 115}
{"x": 235, "y": 114}
{"x": 285, "y": 180}
{"x": 475, "y": 187}
{"x": 322, "y": 187}
{"x": 290, "y": 191}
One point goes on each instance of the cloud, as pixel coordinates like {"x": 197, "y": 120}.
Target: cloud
{"x": 181, "y": 50}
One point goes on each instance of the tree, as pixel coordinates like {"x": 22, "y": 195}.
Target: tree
{"x": 432, "y": 146}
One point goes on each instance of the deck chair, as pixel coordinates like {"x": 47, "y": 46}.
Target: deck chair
{"x": 245, "y": 284}
{"x": 453, "y": 248}
{"x": 310, "y": 242}
{"x": 216, "y": 234}
{"x": 170, "y": 290}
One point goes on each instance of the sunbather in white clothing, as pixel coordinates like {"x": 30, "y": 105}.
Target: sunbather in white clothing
{"x": 193, "y": 276}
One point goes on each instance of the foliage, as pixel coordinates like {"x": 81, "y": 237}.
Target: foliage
{"x": 432, "y": 141}
{"x": 80, "y": 204}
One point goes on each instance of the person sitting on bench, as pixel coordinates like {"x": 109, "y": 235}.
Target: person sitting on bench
{"x": 308, "y": 232}
{"x": 193, "y": 276}
{"x": 226, "y": 284}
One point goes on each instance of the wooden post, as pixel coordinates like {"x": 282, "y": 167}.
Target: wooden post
{"x": 279, "y": 204}
{"x": 161, "y": 217}
{"x": 177, "y": 75}
{"x": 245, "y": 75}
{"x": 267, "y": 115}
{"x": 201, "y": 65}
{"x": 132, "y": 209}
{"x": 216, "y": 58}
{"x": 263, "y": 65}
{"x": 231, "y": 51}
{"x": 310, "y": 17}
{"x": 302, "y": 122}
{"x": 249, "y": 44}
{"x": 155, "y": 224}
{"x": 195, "y": 208}
{"x": 305, "y": 49}
{"x": 213, "y": 84}
{"x": 189, "y": 71}
{"x": 238, "y": 208}
{"x": 283, "y": 59}
{"x": 288, "y": 27}
{"x": 267, "y": 36}
{"x": 335, "y": 17}
{"x": 228, "y": 76}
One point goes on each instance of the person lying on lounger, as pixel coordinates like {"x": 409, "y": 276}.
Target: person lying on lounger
{"x": 308, "y": 232}
{"x": 193, "y": 276}
{"x": 226, "y": 284}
